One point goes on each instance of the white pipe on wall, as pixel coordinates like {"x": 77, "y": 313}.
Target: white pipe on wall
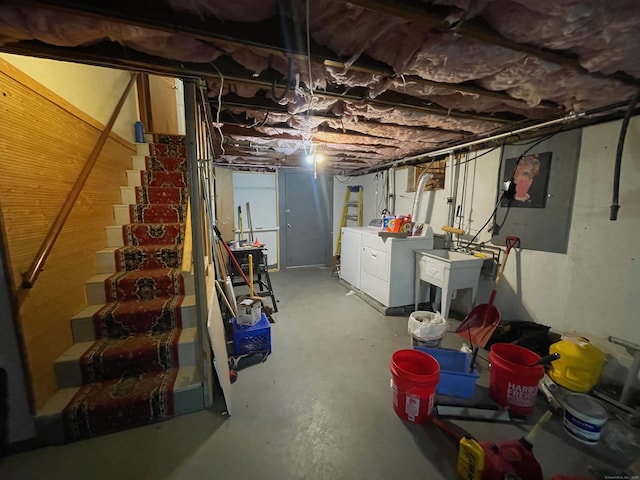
{"x": 417, "y": 199}
{"x": 444, "y": 151}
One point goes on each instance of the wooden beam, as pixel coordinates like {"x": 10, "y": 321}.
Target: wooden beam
{"x": 144, "y": 101}
{"x": 113, "y": 55}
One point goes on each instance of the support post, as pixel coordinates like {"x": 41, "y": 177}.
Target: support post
{"x": 195, "y": 199}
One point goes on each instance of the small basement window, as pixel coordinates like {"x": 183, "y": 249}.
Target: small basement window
{"x": 437, "y": 168}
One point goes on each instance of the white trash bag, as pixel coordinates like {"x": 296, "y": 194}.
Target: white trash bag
{"x": 427, "y": 328}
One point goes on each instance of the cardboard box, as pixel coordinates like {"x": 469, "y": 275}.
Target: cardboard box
{"x": 249, "y": 311}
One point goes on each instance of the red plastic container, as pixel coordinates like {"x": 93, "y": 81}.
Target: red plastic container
{"x": 415, "y": 375}
{"x": 510, "y": 456}
{"x": 511, "y": 382}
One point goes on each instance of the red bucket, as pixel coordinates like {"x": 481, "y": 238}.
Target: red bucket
{"x": 511, "y": 383}
{"x": 415, "y": 375}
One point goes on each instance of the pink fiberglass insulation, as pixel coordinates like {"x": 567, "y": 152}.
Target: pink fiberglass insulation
{"x": 397, "y": 133}
{"x": 70, "y": 30}
{"x": 416, "y": 118}
{"x": 468, "y": 102}
{"x": 602, "y": 34}
{"x": 348, "y": 29}
{"x": 454, "y": 59}
{"x": 537, "y": 80}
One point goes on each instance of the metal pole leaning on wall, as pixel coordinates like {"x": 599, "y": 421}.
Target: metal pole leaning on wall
{"x": 195, "y": 199}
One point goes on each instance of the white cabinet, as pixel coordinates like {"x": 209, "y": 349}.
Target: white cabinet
{"x": 381, "y": 268}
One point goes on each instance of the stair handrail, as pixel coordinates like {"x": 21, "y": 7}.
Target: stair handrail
{"x": 187, "y": 246}
{"x": 31, "y": 275}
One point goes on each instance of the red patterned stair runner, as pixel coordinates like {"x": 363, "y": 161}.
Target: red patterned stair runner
{"x": 129, "y": 372}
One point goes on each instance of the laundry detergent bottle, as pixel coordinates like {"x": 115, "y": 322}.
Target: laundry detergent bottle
{"x": 579, "y": 365}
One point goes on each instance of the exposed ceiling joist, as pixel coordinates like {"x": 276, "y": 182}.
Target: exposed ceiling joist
{"x": 374, "y": 82}
{"x": 234, "y": 73}
{"x": 267, "y": 36}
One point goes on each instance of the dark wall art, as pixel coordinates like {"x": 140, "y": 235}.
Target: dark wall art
{"x": 531, "y": 178}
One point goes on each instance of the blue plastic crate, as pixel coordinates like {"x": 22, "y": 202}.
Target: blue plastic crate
{"x": 250, "y": 339}
{"x": 455, "y": 379}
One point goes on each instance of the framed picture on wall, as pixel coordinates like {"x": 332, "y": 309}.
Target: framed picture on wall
{"x": 541, "y": 215}
{"x": 531, "y": 177}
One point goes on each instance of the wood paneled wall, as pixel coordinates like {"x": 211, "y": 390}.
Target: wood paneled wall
{"x": 44, "y": 142}
{"x": 164, "y": 112}
{"x": 224, "y": 203}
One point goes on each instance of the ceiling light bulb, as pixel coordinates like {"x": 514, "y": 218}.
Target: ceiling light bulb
{"x": 310, "y": 159}
{"x": 319, "y": 158}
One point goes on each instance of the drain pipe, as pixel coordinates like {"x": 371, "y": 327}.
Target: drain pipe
{"x": 417, "y": 199}
{"x": 392, "y": 196}
{"x": 615, "y": 206}
{"x": 454, "y": 172}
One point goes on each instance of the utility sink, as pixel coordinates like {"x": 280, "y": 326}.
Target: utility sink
{"x": 455, "y": 259}
{"x": 448, "y": 270}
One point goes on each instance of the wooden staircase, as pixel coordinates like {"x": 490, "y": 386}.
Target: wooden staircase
{"x": 117, "y": 261}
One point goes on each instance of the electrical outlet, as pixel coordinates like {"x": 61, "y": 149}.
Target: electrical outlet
{"x": 508, "y": 189}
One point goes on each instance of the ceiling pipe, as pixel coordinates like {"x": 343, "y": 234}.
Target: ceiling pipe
{"x": 444, "y": 151}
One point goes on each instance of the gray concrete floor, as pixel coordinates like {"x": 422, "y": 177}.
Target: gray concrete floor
{"x": 319, "y": 408}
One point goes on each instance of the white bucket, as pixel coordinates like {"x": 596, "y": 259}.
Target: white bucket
{"x": 584, "y": 418}
{"x": 426, "y": 328}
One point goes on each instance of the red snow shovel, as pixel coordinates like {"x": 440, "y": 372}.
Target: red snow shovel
{"x": 481, "y": 322}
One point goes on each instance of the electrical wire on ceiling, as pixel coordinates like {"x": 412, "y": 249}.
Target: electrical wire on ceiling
{"x": 346, "y": 180}
{"x": 278, "y": 98}
{"x": 309, "y": 53}
{"x": 220, "y": 108}
{"x": 260, "y": 123}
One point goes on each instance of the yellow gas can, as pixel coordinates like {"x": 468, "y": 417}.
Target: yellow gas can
{"x": 470, "y": 459}
{"x": 579, "y": 365}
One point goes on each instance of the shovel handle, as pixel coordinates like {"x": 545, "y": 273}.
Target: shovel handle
{"x": 251, "y": 293}
{"x": 510, "y": 242}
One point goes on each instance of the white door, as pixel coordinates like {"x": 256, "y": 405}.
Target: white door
{"x": 260, "y": 190}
